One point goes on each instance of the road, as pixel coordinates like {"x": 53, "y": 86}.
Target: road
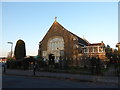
{"x": 11, "y": 81}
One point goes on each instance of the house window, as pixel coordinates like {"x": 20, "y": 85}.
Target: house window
{"x": 100, "y": 49}
{"x": 95, "y": 49}
{"x": 84, "y": 50}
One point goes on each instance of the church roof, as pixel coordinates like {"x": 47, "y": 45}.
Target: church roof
{"x": 79, "y": 39}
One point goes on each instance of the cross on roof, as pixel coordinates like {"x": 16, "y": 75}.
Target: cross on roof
{"x": 55, "y": 18}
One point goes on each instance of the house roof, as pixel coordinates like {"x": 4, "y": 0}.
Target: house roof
{"x": 96, "y": 44}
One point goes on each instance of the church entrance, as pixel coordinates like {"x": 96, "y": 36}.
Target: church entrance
{"x": 51, "y": 59}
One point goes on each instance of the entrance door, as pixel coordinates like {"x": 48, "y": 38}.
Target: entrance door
{"x": 51, "y": 59}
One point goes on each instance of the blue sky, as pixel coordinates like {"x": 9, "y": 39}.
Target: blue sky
{"x": 96, "y": 21}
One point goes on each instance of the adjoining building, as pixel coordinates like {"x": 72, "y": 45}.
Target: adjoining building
{"x": 64, "y": 45}
{"x": 118, "y": 45}
{"x": 95, "y": 49}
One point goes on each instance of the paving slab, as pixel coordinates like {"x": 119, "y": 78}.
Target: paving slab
{"x": 78, "y": 77}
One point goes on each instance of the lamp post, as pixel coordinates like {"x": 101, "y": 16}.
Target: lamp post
{"x": 11, "y": 46}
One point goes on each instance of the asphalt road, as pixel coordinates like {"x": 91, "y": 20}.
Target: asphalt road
{"x": 10, "y": 81}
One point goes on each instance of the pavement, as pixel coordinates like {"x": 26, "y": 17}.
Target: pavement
{"x": 76, "y": 77}
{"x": 111, "y": 71}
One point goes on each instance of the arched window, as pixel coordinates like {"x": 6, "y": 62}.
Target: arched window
{"x": 55, "y": 43}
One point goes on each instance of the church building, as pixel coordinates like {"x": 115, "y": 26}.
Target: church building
{"x": 62, "y": 44}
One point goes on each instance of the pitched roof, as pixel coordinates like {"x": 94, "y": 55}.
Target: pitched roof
{"x": 79, "y": 39}
{"x": 95, "y": 44}
{"x": 55, "y": 23}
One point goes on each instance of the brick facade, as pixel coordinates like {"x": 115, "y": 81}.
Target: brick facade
{"x": 72, "y": 43}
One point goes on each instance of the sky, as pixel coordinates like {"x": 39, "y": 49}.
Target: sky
{"x": 30, "y": 21}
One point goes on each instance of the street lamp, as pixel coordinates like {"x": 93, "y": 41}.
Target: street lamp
{"x": 11, "y": 46}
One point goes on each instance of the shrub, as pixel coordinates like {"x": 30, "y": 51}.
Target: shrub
{"x": 20, "y": 51}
